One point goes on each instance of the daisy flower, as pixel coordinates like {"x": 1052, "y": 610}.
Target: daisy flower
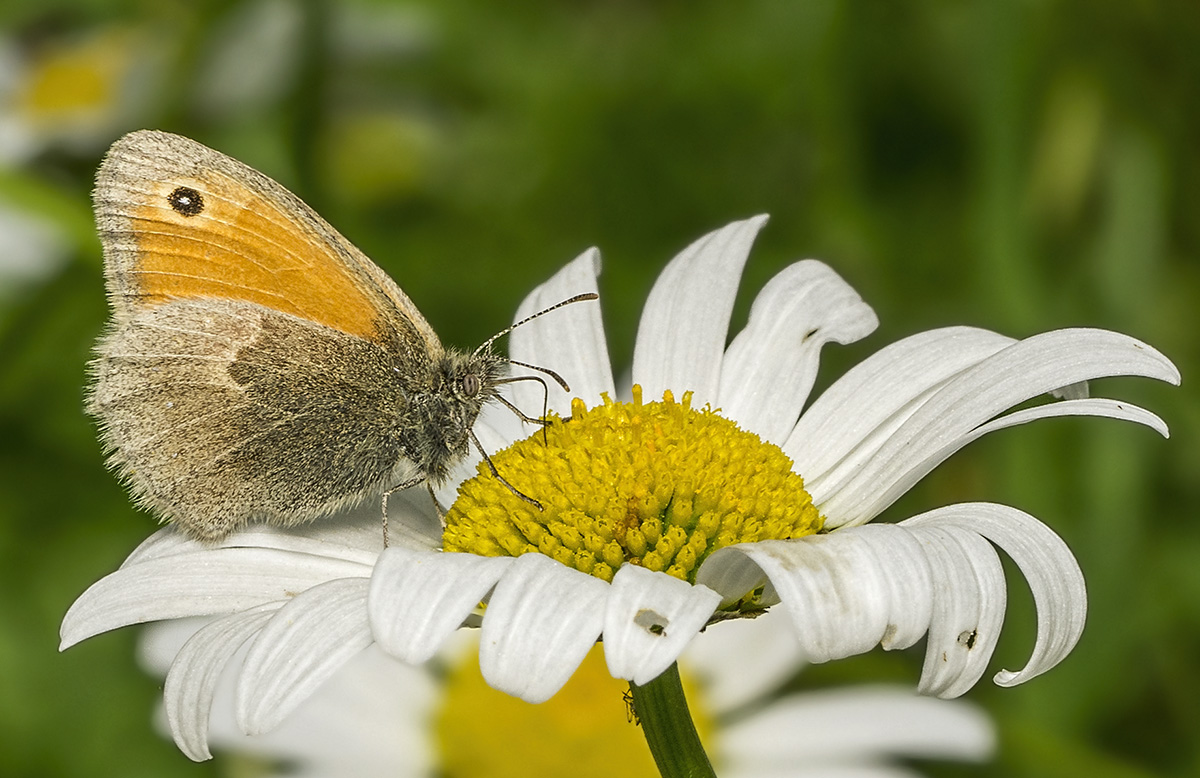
{"x": 73, "y": 91}
{"x": 379, "y": 717}
{"x": 705, "y": 496}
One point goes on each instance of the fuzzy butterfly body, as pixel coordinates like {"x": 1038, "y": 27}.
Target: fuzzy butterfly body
{"x": 258, "y": 367}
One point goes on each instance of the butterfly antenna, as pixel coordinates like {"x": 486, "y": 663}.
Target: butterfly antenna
{"x": 576, "y": 299}
{"x": 521, "y": 414}
{"x": 545, "y": 401}
{"x": 545, "y": 390}
{"x": 557, "y": 378}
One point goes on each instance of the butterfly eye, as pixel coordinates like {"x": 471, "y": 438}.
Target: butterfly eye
{"x": 470, "y": 384}
{"x": 186, "y": 201}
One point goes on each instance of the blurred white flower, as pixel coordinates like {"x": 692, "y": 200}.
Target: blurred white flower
{"x": 378, "y": 717}
{"x": 75, "y": 92}
{"x": 32, "y": 248}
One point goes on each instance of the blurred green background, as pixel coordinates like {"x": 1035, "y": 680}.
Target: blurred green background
{"x": 1020, "y": 166}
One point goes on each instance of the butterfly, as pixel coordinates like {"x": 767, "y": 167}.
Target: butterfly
{"x": 258, "y": 366}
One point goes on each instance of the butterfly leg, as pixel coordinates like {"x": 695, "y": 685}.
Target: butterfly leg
{"x": 496, "y": 473}
{"x": 388, "y": 493}
{"x": 437, "y": 506}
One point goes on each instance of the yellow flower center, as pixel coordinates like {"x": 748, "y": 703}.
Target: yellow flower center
{"x": 584, "y": 731}
{"x": 659, "y": 484}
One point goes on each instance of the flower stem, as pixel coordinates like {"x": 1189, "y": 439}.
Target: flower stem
{"x": 662, "y": 710}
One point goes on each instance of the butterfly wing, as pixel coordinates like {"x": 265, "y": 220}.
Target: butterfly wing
{"x": 220, "y": 412}
{"x": 179, "y": 220}
{"x": 258, "y": 367}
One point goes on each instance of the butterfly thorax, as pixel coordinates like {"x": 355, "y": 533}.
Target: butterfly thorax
{"x": 439, "y": 417}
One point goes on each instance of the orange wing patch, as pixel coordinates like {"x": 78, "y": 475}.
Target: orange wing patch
{"x": 233, "y": 243}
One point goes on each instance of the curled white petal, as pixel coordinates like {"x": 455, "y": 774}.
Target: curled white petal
{"x": 192, "y": 680}
{"x": 905, "y": 572}
{"x": 856, "y": 414}
{"x": 934, "y": 573}
{"x": 1028, "y": 368}
{"x": 969, "y": 600}
{"x": 770, "y": 366}
{"x": 732, "y": 574}
{"x": 418, "y": 599}
{"x": 681, "y": 337}
{"x": 649, "y": 619}
{"x": 370, "y": 720}
{"x": 845, "y": 592}
{"x": 1054, "y": 576}
{"x": 200, "y": 582}
{"x": 540, "y": 622}
{"x": 570, "y": 340}
{"x": 894, "y": 481}
{"x": 302, "y": 645}
{"x": 1098, "y": 406}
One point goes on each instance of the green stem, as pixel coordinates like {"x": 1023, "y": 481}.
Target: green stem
{"x": 662, "y": 711}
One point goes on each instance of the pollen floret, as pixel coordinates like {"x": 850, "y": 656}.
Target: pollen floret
{"x": 661, "y": 485}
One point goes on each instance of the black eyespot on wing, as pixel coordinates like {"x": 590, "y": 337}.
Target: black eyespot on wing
{"x": 186, "y": 201}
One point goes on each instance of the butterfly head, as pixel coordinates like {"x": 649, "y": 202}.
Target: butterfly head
{"x": 444, "y": 415}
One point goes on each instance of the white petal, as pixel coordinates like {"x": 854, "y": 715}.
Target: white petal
{"x": 969, "y": 599}
{"x": 1097, "y": 406}
{"x": 192, "y": 679}
{"x": 860, "y": 410}
{"x": 769, "y": 368}
{"x": 845, "y": 592}
{"x": 417, "y": 600}
{"x": 201, "y": 582}
{"x": 159, "y": 643}
{"x": 1054, "y": 576}
{"x": 1024, "y": 370}
{"x": 541, "y": 621}
{"x": 650, "y": 618}
{"x": 743, "y": 660}
{"x": 371, "y": 718}
{"x": 854, "y": 726}
{"x": 732, "y": 574}
{"x": 681, "y": 337}
{"x": 352, "y": 535}
{"x": 898, "y": 479}
{"x": 905, "y": 572}
{"x": 569, "y": 341}
{"x": 302, "y": 645}
{"x": 412, "y": 521}
{"x": 165, "y": 542}
{"x": 501, "y": 418}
